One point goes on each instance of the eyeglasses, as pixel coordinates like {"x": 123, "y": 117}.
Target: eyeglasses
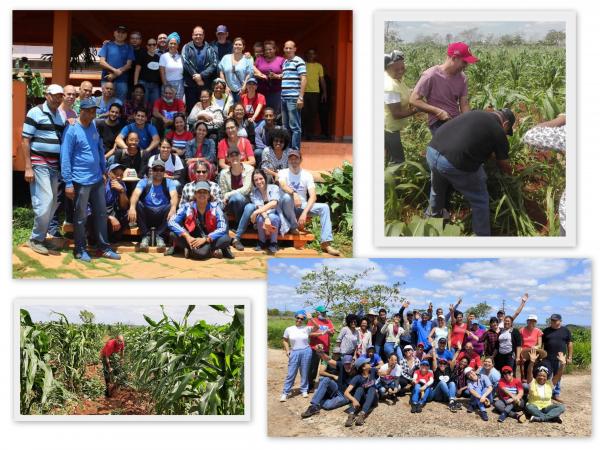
{"x": 201, "y": 171}
{"x": 150, "y": 44}
{"x": 158, "y": 169}
{"x": 506, "y": 371}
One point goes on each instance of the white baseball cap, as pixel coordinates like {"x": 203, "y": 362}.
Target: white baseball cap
{"x": 532, "y": 317}
{"x": 54, "y": 89}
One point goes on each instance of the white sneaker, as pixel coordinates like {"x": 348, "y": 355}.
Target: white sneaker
{"x": 305, "y": 395}
{"x": 283, "y": 398}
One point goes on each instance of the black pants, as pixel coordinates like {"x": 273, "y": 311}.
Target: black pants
{"x": 504, "y": 360}
{"x": 152, "y": 216}
{"x": 204, "y": 251}
{"x": 315, "y": 362}
{"x": 192, "y": 94}
{"x": 310, "y": 111}
{"x": 394, "y": 152}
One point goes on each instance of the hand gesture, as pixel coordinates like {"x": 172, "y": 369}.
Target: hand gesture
{"x": 459, "y": 345}
{"x": 525, "y": 298}
{"x": 430, "y": 305}
{"x": 309, "y": 316}
{"x": 562, "y": 358}
{"x": 451, "y": 307}
{"x": 364, "y": 301}
{"x": 114, "y": 184}
{"x": 533, "y": 355}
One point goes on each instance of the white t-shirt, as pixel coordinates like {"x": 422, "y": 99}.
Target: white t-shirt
{"x": 299, "y": 182}
{"x": 396, "y": 371}
{"x": 170, "y": 168}
{"x": 173, "y": 66}
{"x": 298, "y": 336}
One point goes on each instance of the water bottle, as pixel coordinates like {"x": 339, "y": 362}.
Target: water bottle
{"x": 153, "y": 237}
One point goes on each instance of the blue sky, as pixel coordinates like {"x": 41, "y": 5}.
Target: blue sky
{"x": 408, "y": 31}
{"x": 553, "y": 285}
{"x": 127, "y": 314}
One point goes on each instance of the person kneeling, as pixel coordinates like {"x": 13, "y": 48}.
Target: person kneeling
{"x": 200, "y": 227}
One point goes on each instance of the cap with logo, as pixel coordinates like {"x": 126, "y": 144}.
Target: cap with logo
{"x": 222, "y": 29}
{"x": 88, "y": 103}
{"x": 555, "y": 317}
{"x": 130, "y": 175}
{"x": 462, "y": 51}
{"x": 321, "y": 309}
{"x": 158, "y": 163}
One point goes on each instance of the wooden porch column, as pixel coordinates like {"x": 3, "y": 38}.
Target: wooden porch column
{"x": 343, "y": 84}
{"x": 61, "y": 47}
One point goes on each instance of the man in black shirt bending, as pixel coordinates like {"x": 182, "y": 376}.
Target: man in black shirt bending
{"x": 456, "y": 155}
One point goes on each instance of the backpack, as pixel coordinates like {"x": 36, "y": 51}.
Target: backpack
{"x": 148, "y": 186}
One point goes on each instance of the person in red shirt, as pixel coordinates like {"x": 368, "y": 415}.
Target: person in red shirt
{"x": 319, "y": 342}
{"x": 469, "y": 352}
{"x": 111, "y": 347}
{"x": 532, "y": 338}
{"x": 423, "y": 379}
{"x": 458, "y": 328}
{"x": 165, "y": 108}
{"x": 233, "y": 140}
{"x": 254, "y": 103}
{"x": 510, "y": 396}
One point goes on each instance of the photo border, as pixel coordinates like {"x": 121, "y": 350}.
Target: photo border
{"x": 153, "y": 301}
{"x": 567, "y": 16}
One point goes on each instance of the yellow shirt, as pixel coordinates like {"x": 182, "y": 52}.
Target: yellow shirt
{"x": 540, "y": 399}
{"x": 394, "y": 91}
{"x": 314, "y": 71}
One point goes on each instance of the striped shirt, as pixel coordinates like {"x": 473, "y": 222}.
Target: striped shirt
{"x": 293, "y": 69}
{"x": 44, "y": 134}
{"x": 179, "y": 141}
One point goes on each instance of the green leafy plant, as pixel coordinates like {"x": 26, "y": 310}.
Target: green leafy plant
{"x": 336, "y": 190}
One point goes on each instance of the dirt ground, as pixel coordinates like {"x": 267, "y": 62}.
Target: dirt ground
{"x": 435, "y": 420}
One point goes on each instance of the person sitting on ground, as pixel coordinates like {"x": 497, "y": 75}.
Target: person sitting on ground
{"x": 473, "y": 336}
{"x": 201, "y": 148}
{"x": 389, "y": 374}
{"x": 330, "y": 392}
{"x": 174, "y": 169}
{"x": 392, "y": 331}
{"x": 200, "y": 227}
{"x": 112, "y": 346}
{"x": 300, "y": 201}
{"x": 146, "y": 132}
{"x": 422, "y": 379}
{"x": 235, "y": 182}
{"x": 347, "y": 339}
{"x": 275, "y": 157}
{"x": 374, "y": 359}
{"x": 201, "y": 173}
{"x": 179, "y": 135}
{"x": 297, "y": 349}
{"x": 165, "y": 109}
{"x": 480, "y": 390}
{"x": 106, "y": 99}
{"x": 408, "y": 365}
{"x": 220, "y": 97}
{"x": 153, "y": 203}
{"x": 233, "y": 140}
{"x": 137, "y": 102}
{"x": 459, "y": 376}
{"x": 487, "y": 368}
{"x": 209, "y": 113}
{"x": 109, "y": 129}
{"x": 361, "y": 392}
{"x": 444, "y": 388}
{"x": 117, "y": 202}
{"x": 469, "y": 352}
{"x": 539, "y": 399}
{"x": 245, "y": 127}
{"x": 510, "y": 397}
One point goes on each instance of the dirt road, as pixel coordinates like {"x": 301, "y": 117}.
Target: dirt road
{"x": 435, "y": 420}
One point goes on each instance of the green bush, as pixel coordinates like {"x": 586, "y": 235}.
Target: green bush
{"x": 22, "y": 223}
{"x": 336, "y": 191}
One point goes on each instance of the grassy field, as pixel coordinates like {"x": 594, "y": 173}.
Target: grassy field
{"x": 530, "y": 80}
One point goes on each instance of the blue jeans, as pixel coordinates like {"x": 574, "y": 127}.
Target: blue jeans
{"x": 242, "y": 210}
{"x": 380, "y": 352}
{"x": 390, "y": 348}
{"x": 366, "y": 397}
{"x": 299, "y": 360}
{"x": 44, "y": 196}
{"x": 417, "y": 398}
{"x": 273, "y": 100}
{"x": 291, "y": 119}
{"x": 258, "y": 156}
{"x": 152, "y": 217}
{"x": 318, "y": 209}
{"x": 275, "y": 221}
{"x": 546, "y": 414}
{"x": 152, "y": 91}
{"x": 472, "y": 185}
{"x": 443, "y": 392}
{"x": 383, "y": 385}
{"x": 554, "y": 365}
{"x": 328, "y": 395}
{"x": 95, "y": 196}
{"x": 476, "y": 403}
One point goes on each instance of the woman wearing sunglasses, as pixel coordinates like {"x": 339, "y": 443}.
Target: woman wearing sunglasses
{"x": 202, "y": 170}
{"x": 510, "y": 396}
{"x": 297, "y": 349}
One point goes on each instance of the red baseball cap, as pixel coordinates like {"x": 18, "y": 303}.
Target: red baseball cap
{"x": 507, "y": 369}
{"x": 462, "y": 51}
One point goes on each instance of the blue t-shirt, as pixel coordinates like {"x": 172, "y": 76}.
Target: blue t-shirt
{"x": 82, "y": 155}
{"x": 445, "y": 354}
{"x": 117, "y": 56}
{"x": 145, "y": 134}
{"x": 376, "y": 359}
{"x": 156, "y": 196}
{"x": 423, "y": 331}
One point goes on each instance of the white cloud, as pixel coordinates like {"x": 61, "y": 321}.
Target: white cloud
{"x": 438, "y": 274}
{"x": 400, "y": 272}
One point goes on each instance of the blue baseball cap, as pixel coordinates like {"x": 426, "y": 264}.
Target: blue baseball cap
{"x": 222, "y": 29}
{"x": 251, "y": 80}
{"x": 116, "y": 166}
{"x": 347, "y": 359}
{"x": 360, "y": 361}
{"x": 425, "y": 363}
{"x": 87, "y": 103}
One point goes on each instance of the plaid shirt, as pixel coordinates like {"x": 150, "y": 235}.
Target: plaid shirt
{"x": 408, "y": 372}
{"x": 490, "y": 340}
{"x": 188, "y": 194}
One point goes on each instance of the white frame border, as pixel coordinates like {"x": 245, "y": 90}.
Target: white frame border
{"x": 18, "y": 303}
{"x": 569, "y": 17}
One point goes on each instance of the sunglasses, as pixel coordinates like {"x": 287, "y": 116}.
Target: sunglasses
{"x": 507, "y": 371}
{"x": 201, "y": 171}
{"x": 300, "y": 318}
{"x": 158, "y": 169}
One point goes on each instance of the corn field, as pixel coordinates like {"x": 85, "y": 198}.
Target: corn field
{"x": 173, "y": 368}
{"x": 530, "y": 79}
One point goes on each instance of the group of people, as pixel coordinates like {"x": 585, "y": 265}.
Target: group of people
{"x": 450, "y": 358}
{"x": 183, "y": 145}
{"x": 462, "y": 139}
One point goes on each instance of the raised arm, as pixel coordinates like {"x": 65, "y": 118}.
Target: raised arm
{"x": 521, "y": 306}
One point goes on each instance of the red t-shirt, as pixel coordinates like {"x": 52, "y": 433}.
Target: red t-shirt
{"x": 458, "y": 334}
{"x": 112, "y": 346}
{"x": 323, "y": 325}
{"x": 419, "y": 378}
{"x": 169, "y": 110}
{"x": 250, "y": 105}
{"x": 530, "y": 338}
{"x": 243, "y": 145}
{"x": 474, "y": 360}
{"x": 514, "y": 387}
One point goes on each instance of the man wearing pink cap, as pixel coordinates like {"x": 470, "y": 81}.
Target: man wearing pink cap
{"x": 442, "y": 90}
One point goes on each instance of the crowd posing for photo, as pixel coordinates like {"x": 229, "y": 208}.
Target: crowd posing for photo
{"x": 185, "y": 145}
{"x": 445, "y": 358}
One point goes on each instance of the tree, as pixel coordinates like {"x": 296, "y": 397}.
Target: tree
{"x": 86, "y": 317}
{"x": 480, "y": 310}
{"x": 554, "y": 37}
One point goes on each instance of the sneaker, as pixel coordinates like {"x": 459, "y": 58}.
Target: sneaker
{"x": 160, "y": 242}
{"x": 350, "y": 420}
{"x": 535, "y": 419}
{"x": 458, "y": 405}
{"x": 170, "y": 251}
{"x": 311, "y": 411}
{"x": 186, "y": 253}
{"x": 469, "y": 408}
{"x": 110, "y": 254}
{"x": 305, "y": 395}
{"x": 83, "y": 256}
{"x": 557, "y": 420}
{"x": 360, "y": 419}
{"x": 483, "y": 415}
{"x": 413, "y": 408}
{"x": 227, "y": 253}
{"x": 38, "y": 247}
{"x": 283, "y": 398}
{"x": 237, "y": 245}
{"x": 419, "y": 408}
{"x": 294, "y": 232}
{"x": 260, "y": 246}
{"x": 521, "y": 418}
{"x": 502, "y": 417}
{"x": 272, "y": 249}
{"x": 55, "y": 244}
{"x": 145, "y": 243}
